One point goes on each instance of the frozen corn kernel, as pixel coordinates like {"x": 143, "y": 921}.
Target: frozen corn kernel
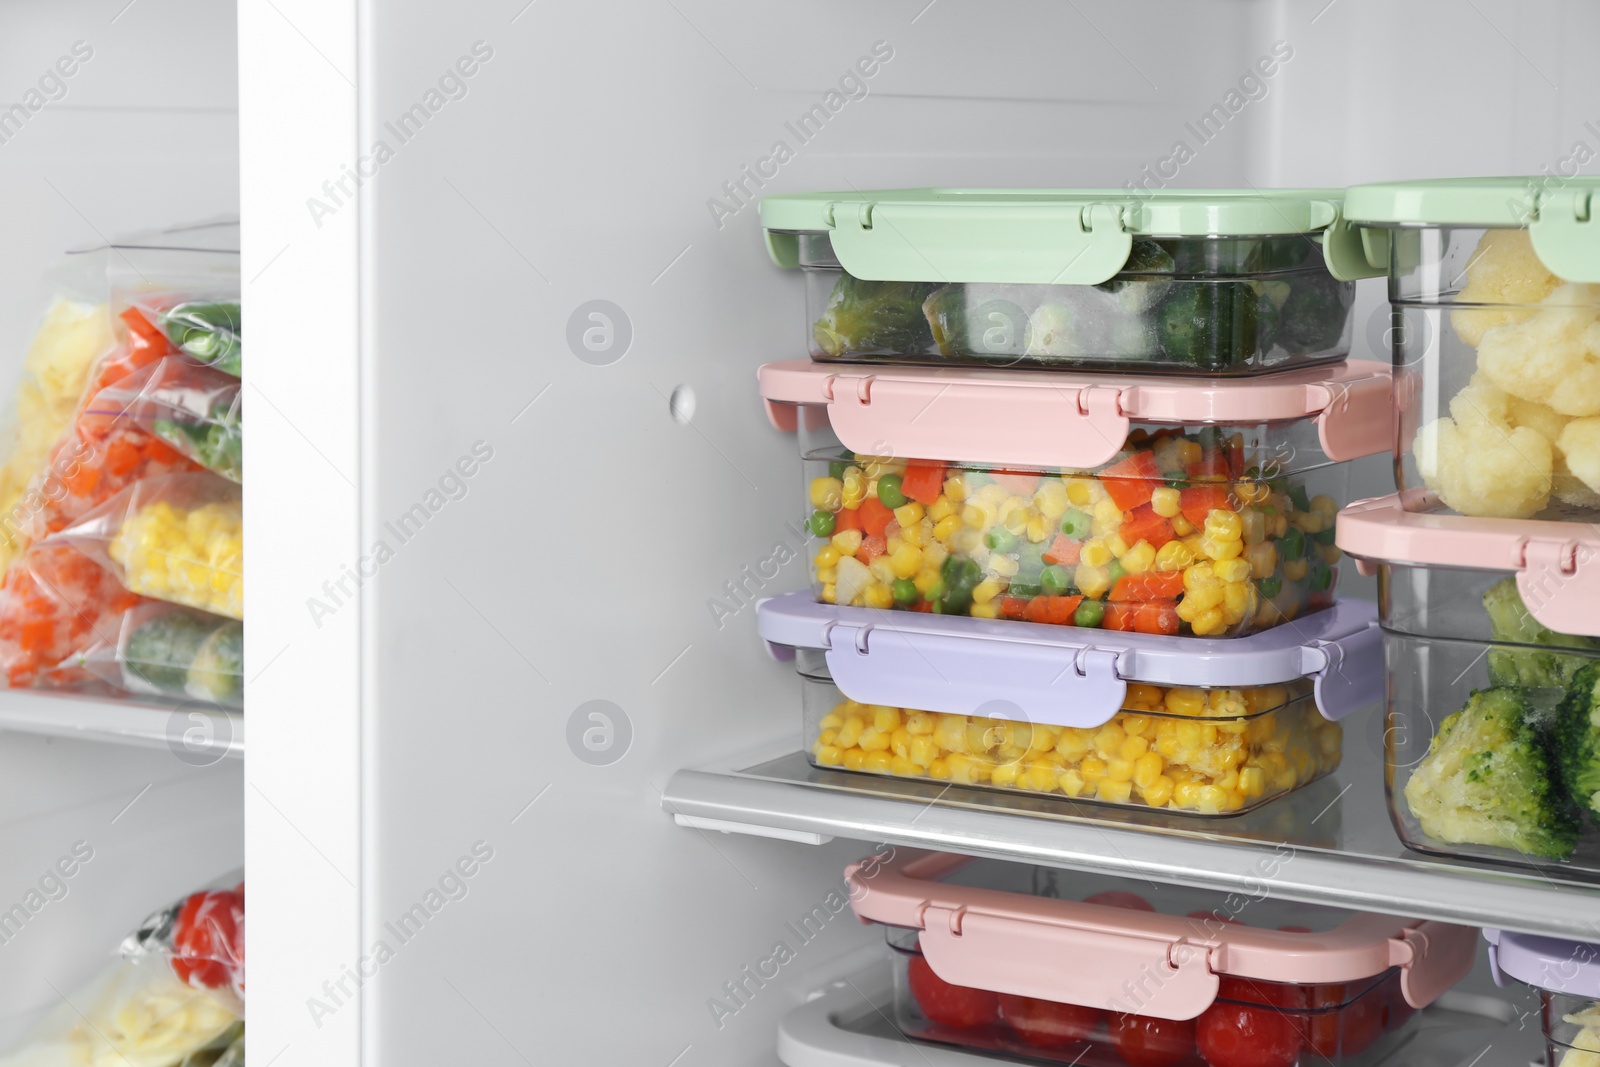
{"x": 1147, "y": 769}
{"x": 848, "y": 542}
{"x": 909, "y": 514}
{"x": 853, "y": 489}
{"x": 1107, "y": 515}
{"x": 1095, "y": 553}
{"x": 1114, "y": 790}
{"x": 1094, "y": 582}
{"x": 1173, "y": 556}
{"x": 990, "y": 610}
{"x": 878, "y": 596}
{"x": 1165, "y": 502}
{"x": 1051, "y": 499}
{"x": 1138, "y": 559}
{"x": 955, "y": 489}
{"x": 905, "y": 562}
{"x": 827, "y": 493}
{"x": 941, "y": 509}
{"x": 1232, "y": 570}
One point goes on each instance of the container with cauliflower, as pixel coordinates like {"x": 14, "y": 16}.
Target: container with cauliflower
{"x": 1228, "y": 282}
{"x": 1084, "y": 501}
{"x": 1496, "y": 333}
{"x": 1493, "y": 745}
{"x": 1567, "y": 977}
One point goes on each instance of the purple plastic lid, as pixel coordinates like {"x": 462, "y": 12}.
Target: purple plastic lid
{"x": 1571, "y": 967}
{"x": 1063, "y": 675}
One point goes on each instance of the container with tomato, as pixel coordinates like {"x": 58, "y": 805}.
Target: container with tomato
{"x": 1159, "y": 508}
{"x": 1566, "y": 975}
{"x": 1166, "y": 977}
{"x": 1200, "y": 727}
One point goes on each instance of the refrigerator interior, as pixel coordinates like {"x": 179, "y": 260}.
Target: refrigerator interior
{"x": 512, "y": 680}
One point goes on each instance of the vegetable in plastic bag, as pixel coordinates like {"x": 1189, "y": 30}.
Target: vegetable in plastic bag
{"x": 211, "y": 332}
{"x": 178, "y": 538}
{"x": 172, "y": 651}
{"x": 201, "y": 937}
{"x": 56, "y": 603}
{"x": 196, "y": 410}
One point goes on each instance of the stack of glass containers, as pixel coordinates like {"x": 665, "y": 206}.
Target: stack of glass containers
{"x": 1489, "y": 589}
{"x": 1072, "y": 460}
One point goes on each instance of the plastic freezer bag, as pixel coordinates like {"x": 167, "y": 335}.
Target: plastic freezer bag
{"x": 206, "y": 329}
{"x": 201, "y": 938}
{"x": 178, "y": 538}
{"x": 171, "y": 651}
{"x": 136, "y": 1013}
{"x": 195, "y": 410}
{"x": 186, "y": 283}
{"x": 56, "y": 603}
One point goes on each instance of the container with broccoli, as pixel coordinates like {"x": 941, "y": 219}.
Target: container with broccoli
{"x": 1217, "y": 283}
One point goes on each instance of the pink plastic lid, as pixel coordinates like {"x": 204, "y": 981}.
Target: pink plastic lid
{"x": 1098, "y": 955}
{"x": 1557, "y": 564}
{"x": 1055, "y": 419}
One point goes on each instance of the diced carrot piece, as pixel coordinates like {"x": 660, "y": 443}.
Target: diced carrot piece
{"x": 1151, "y": 585}
{"x": 1212, "y": 466}
{"x": 846, "y": 519}
{"x": 1143, "y": 524}
{"x": 1156, "y": 617}
{"x": 1013, "y": 607}
{"x": 923, "y": 481}
{"x": 1199, "y": 501}
{"x": 1038, "y": 609}
{"x": 871, "y": 548}
{"x": 875, "y": 517}
{"x": 158, "y": 451}
{"x": 122, "y": 456}
{"x": 1062, "y": 608}
{"x": 1119, "y": 616}
{"x": 82, "y": 481}
{"x": 1063, "y": 550}
{"x": 1132, "y": 481}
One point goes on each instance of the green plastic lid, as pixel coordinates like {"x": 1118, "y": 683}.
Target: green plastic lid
{"x": 1026, "y": 236}
{"x": 1554, "y": 210}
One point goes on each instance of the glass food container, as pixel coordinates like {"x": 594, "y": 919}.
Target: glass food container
{"x": 1164, "y": 507}
{"x": 1567, "y": 976}
{"x": 979, "y": 704}
{"x": 1496, "y": 340}
{"x": 1493, "y": 650}
{"x": 1222, "y": 282}
{"x": 1079, "y": 969}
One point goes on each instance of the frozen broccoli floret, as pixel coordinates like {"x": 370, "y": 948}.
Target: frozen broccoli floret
{"x": 1488, "y": 780}
{"x": 1504, "y": 269}
{"x": 1315, "y": 313}
{"x": 975, "y": 320}
{"x": 1141, "y": 294}
{"x": 1479, "y": 462}
{"x": 1577, "y": 737}
{"x": 1209, "y": 324}
{"x": 874, "y": 318}
{"x": 1553, "y": 356}
{"x": 1279, "y": 254}
{"x": 1511, "y": 623}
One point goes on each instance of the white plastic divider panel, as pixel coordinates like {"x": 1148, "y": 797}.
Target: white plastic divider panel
{"x": 298, "y": 72}
{"x": 577, "y": 493}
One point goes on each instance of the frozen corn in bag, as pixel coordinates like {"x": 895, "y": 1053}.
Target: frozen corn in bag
{"x": 174, "y": 997}
{"x": 178, "y": 538}
{"x": 171, "y": 651}
{"x": 195, "y": 410}
{"x": 56, "y": 603}
{"x": 201, "y": 937}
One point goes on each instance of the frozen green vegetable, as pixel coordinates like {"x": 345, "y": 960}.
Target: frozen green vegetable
{"x": 217, "y": 444}
{"x": 865, "y": 316}
{"x": 1488, "y": 779}
{"x": 1511, "y": 623}
{"x": 976, "y": 320}
{"x": 1210, "y": 325}
{"x": 211, "y": 333}
{"x": 1141, "y": 294}
{"x": 160, "y": 650}
{"x": 1577, "y": 738}
{"x": 182, "y": 653}
{"x": 1315, "y": 313}
{"x": 217, "y": 673}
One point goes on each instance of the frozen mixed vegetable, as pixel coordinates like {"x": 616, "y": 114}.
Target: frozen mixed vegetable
{"x": 174, "y": 651}
{"x": 1186, "y": 533}
{"x": 1489, "y": 779}
{"x": 208, "y": 331}
{"x": 1208, "y": 751}
{"x": 1198, "y": 304}
{"x": 1525, "y": 430}
{"x": 196, "y": 410}
{"x": 55, "y": 604}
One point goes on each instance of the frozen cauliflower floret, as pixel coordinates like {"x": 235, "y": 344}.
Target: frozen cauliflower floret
{"x": 1481, "y": 464}
{"x": 1579, "y": 445}
{"x": 1503, "y": 270}
{"x": 1553, "y": 357}
{"x": 1585, "y": 1050}
{"x": 1535, "y": 416}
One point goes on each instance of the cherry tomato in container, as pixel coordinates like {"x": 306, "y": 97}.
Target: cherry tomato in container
{"x": 1250, "y": 1025}
{"x": 1120, "y": 898}
{"x": 1048, "y": 1023}
{"x": 947, "y": 1004}
{"x": 1145, "y": 1041}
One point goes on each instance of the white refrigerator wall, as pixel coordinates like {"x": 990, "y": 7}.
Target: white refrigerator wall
{"x": 142, "y": 132}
